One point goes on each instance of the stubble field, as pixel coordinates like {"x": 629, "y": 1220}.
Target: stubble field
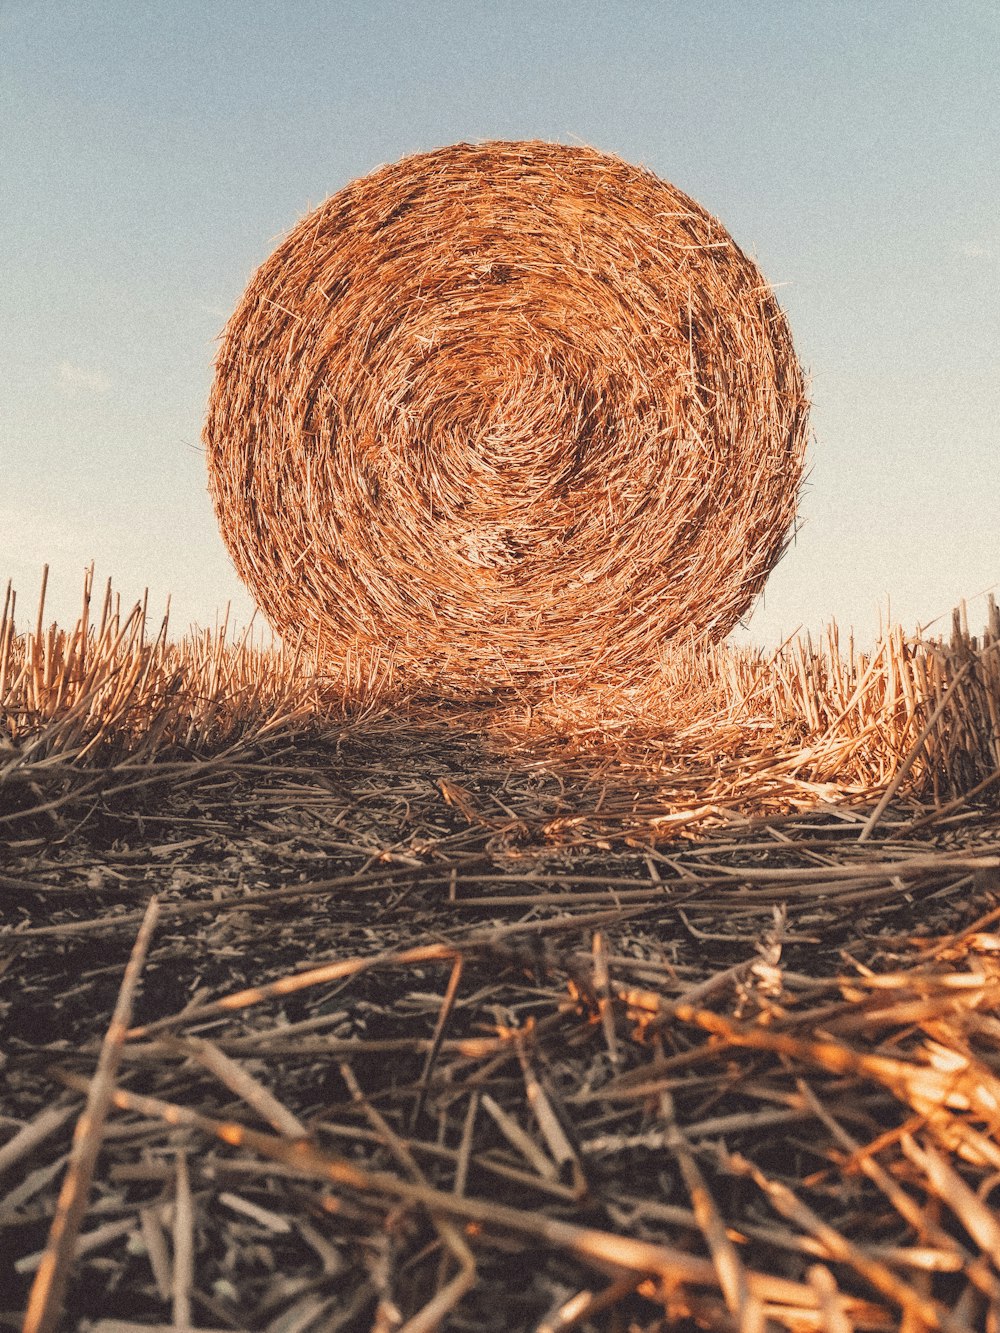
{"x": 670, "y": 1006}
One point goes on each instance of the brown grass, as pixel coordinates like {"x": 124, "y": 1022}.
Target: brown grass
{"x": 525, "y": 1010}
{"x": 506, "y": 410}
{"x": 711, "y": 730}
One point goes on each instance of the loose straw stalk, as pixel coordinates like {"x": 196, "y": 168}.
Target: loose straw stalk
{"x": 47, "y": 1291}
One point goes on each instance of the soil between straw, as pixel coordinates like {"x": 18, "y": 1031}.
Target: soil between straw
{"x": 589, "y": 976}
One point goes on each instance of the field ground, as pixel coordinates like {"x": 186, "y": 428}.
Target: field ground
{"x": 457, "y": 1018}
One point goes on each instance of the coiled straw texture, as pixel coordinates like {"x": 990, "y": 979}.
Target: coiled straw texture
{"x": 506, "y": 411}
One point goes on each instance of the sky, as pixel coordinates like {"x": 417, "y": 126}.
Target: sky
{"x": 152, "y": 154}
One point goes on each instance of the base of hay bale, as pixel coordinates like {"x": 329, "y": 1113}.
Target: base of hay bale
{"x": 506, "y": 410}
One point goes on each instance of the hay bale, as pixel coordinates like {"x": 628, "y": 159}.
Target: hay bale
{"x": 506, "y": 409}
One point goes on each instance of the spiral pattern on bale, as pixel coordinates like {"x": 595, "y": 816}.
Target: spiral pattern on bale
{"x": 506, "y": 410}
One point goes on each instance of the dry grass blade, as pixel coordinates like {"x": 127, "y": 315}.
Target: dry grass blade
{"x": 602, "y": 989}
{"x": 183, "y": 1237}
{"x": 450, "y": 1293}
{"x": 243, "y": 1084}
{"x": 831, "y": 1305}
{"x": 587, "y": 1305}
{"x": 914, "y": 753}
{"x": 740, "y": 1301}
{"x": 447, "y": 1005}
{"x": 128, "y": 1326}
{"x": 922, "y": 1223}
{"x": 157, "y": 1252}
{"x": 316, "y": 976}
{"x": 548, "y": 1122}
{"x": 979, "y": 1221}
{"x": 46, "y": 1298}
{"x": 27, "y": 1139}
{"x": 922, "y": 1312}
{"x": 518, "y": 1139}
{"x": 589, "y": 1244}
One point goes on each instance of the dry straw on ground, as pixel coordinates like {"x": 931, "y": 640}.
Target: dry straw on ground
{"x": 102, "y": 708}
{"x": 503, "y": 410}
{"x": 602, "y": 1011}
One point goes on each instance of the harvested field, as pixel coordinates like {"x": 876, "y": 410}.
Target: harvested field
{"x": 671, "y": 1008}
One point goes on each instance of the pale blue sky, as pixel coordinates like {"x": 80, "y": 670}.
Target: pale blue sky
{"x": 151, "y": 153}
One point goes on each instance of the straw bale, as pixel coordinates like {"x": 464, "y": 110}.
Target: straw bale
{"x": 505, "y": 410}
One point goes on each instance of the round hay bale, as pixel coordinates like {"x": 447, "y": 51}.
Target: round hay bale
{"x": 504, "y": 410}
